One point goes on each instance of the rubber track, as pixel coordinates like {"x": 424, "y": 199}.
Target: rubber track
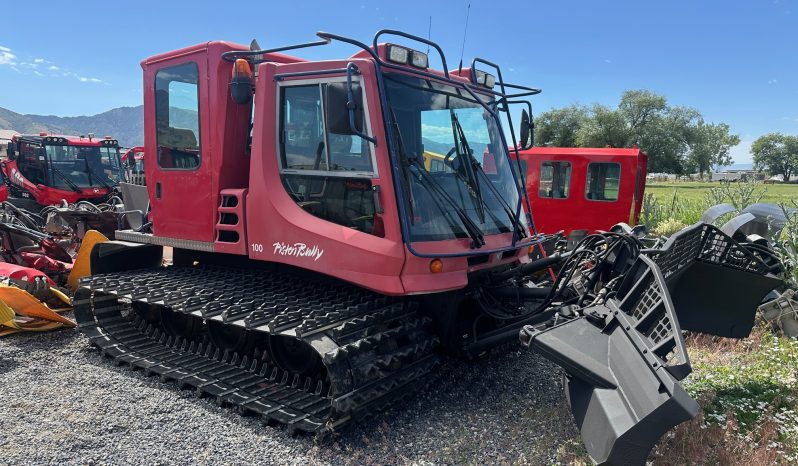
{"x": 377, "y": 349}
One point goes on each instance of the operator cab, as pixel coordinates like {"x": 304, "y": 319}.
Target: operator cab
{"x": 584, "y": 188}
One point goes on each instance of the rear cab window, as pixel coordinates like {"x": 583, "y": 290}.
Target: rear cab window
{"x": 555, "y": 180}
{"x": 603, "y": 181}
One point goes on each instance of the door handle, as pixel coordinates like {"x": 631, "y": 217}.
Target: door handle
{"x": 158, "y": 190}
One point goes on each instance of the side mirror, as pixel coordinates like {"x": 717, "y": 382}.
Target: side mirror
{"x": 337, "y": 108}
{"x": 11, "y": 151}
{"x": 527, "y": 132}
{"x": 344, "y": 107}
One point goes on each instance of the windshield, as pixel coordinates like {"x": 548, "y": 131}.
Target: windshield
{"x": 450, "y": 147}
{"x": 83, "y": 166}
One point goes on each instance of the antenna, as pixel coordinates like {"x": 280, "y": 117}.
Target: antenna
{"x": 429, "y": 33}
{"x": 465, "y": 31}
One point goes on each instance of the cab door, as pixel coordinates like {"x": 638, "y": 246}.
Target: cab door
{"x": 176, "y": 132}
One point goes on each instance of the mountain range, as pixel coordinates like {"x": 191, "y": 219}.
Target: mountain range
{"x": 125, "y": 124}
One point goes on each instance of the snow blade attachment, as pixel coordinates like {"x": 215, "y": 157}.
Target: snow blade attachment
{"x": 715, "y": 283}
{"x": 623, "y": 365}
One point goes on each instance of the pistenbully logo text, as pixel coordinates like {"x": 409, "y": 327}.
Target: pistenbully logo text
{"x": 298, "y": 250}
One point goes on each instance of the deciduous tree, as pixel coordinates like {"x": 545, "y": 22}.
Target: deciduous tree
{"x": 777, "y": 154}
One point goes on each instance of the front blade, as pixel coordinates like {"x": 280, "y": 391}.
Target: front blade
{"x": 622, "y": 373}
{"x": 715, "y": 283}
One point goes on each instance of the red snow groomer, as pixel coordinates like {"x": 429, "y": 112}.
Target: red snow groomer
{"x": 323, "y": 265}
{"x": 45, "y": 169}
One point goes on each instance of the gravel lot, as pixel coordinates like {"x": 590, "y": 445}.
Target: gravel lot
{"x": 61, "y": 402}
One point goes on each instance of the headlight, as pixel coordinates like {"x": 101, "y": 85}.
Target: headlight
{"x": 484, "y": 79}
{"x": 406, "y": 56}
{"x": 398, "y": 54}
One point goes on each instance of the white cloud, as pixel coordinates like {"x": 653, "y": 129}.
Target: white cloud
{"x": 27, "y": 67}
{"x": 6, "y": 57}
{"x": 85, "y": 79}
{"x": 773, "y": 81}
{"x": 607, "y": 60}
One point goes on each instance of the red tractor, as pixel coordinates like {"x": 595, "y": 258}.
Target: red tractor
{"x": 584, "y": 188}
{"x": 322, "y": 268}
{"x": 45, "y": 169}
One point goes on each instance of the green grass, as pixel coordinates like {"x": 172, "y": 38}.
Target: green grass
{"x": 696, "y": 191}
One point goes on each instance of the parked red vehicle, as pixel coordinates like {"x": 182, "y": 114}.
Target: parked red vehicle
{"x": 133, "y": 163}
{"x": 584, "y": 188}
{"x": 47, "y": 168}
{"x": 3, "y": 188}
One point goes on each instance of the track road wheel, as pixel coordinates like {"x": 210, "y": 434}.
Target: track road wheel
{"x": 180, "y": 325}
{"x": 296, "y": 356}
{"x": 231, "y": 337}
{"x": 150, "y": 313}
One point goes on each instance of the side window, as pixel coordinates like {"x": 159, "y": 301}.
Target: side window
{"x": 304, "y": 147}
{"x": 317, "y": 164}
{"x": 308, "y": 145}
{"x": 177, "y": 117}
{"x": 603, "y": 181}
{"x": 555, "y": 180}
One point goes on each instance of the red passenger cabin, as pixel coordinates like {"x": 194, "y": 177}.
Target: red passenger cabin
{"x": 584, "y": 188}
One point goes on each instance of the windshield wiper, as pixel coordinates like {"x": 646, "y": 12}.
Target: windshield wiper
{"x": 66, "y": 178}
{"x": 474, "y": 168}
{"x": 94, "y": 175}
{"x": 461, "y": 143}
{"x": 472, "y": 229}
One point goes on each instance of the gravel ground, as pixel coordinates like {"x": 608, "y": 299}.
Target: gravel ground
{"x": 61, "y": 402}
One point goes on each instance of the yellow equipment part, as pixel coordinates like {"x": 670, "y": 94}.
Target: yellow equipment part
{"x": 21, "y": 311}
{"x": 81, "y": 266}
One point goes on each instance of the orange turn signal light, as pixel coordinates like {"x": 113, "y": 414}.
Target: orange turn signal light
{"x": 42, "y": 134}
{"x": 436, "y": 266}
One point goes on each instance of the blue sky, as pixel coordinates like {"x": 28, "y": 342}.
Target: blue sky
{"x": 735, "y": 61}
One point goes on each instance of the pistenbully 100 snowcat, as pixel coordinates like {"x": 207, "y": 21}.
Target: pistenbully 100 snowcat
{"x": 321, "y": 269}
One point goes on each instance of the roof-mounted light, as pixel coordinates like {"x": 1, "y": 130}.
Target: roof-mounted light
{"x": 419, "y": 60}
{"x": 398, "y": 54}
{"x": 406, "y": 56}
{"x": 484, "y": 79}
{"x": 53, "y": 140}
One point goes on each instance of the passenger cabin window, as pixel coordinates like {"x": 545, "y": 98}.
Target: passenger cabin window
{"x": 555, "y": 180}
{"x": 177, "y": 117}
{"x": 327, "y": 174}
{"x": 603, "y": 181}
{"x": 31, "y": 166}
